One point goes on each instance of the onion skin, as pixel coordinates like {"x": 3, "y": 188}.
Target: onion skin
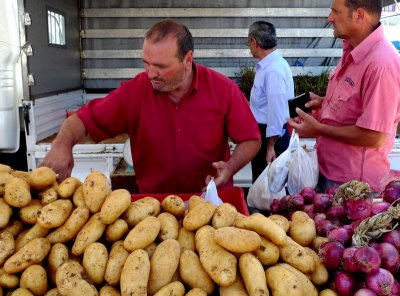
{"x": 348, "y": 262}
{"x": 322, "y": 202}
{"x": 275, "y": 206}
{"x": 337, "y": 213}
{"x": 392, "y": 237}
{"x": 391, "y": 192}
{"x": 367, "y": 259}
{"x": 331, "y": 254}
{"x": 295, "y": 202}
{"x": 381, "y": 281}
{"x": 345, "y": 283}
{"x": 308, "y": 194}
{"x": 389, "y": 256}
{"x": 379, "y": 207}
{"x": 340, "y": 234}
{"x": 365, "y": 292}
{"x": 359, "y": 209}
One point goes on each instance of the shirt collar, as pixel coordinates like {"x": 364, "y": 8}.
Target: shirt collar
{"x": 268, "y": 59}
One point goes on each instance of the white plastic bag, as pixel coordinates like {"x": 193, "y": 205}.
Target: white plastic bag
{"x": 259, "y": 195}
{"x": 279, "y": 170}
{"x": 303, "y": 170}
{"x": 211, "y": 194}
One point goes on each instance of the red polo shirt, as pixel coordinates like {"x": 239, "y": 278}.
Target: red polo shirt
{"x": 173, "y": 145}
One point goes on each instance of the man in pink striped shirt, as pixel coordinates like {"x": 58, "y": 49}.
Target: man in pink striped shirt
{"x": 361, "y": 109}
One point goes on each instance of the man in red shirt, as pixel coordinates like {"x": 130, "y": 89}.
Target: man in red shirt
{"x": 179, "y": 116}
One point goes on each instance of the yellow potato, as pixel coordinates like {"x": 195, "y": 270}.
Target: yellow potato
{"x": 48, "y": 195}
{"x": 267, "y": 253}
{"x": 5, "y": 213}
{"x": 7, "y": 246}
{"x": 67, "y": 187}
{"x": 94, "y": 262}
{"x": 77, "y": 198}
{"x": 308, "y": 288}
{"x": 199, "y": 216}
{"x": 237, "y": 288}
{"x": 174, "y": 205}
{"x": 135, "y": 274}
{"x": 21, "y": 292}
{"x": 116, "y": 230}
{"x": 55, "y": 214}
{"x": 21, "y": 175}
{"x": 195, "y": 200}
{"x": 5, "y": 168}
{"x": 196, "y": 292}
{"x": 141, "y": 209}
{"x": 71, "y": 227}
{"x": 42, "y": 177}
{"x": 115, "y": 263}
{"x": 169, "y": 226}
{"x": 237, "y": 240}
{"x": 34, "y": 279}
{"x": 53, "y": 292}
{"x": 225, "y": 215}
{"x": 318, "y": 241}
{"x": 218, "y": 262}
{"x": 297, "y": 256}
{"x": 186, "y": 240}
{"x": 193, "y": 274}
{"x": 253, "y": 275}
{"x": 4, "y": 178}
{"x": 15, "y": 227}
{"x": 89, "y": 233}
{"x": 172, "y": 289}
{"x": 109, "y": 291}
{"x": 36, "y": 231}
{"x": 115, "y": 204}
{"x": 302, "y": 228}
{"x": 142, "y": 234}
{"x": 29, "y": 213}
{"x": 281, "y": 221}
{"x": 150, "y": 249}
{"x": 283, "y": 282}
{"x": 320, "y": 275}
{"x": 32, "y": 253}
{"x": 57, "y": 256}
{"x": 163, "y": 265}
{"x": 17, "y": 193}
{"x": 95, "y": 190}
{"x": 328, "y": 292}
{"x": 8, "y": 280}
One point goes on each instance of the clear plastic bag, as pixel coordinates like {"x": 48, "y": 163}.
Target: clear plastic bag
{"x": 259, "y": 195}
{"x": 211, "y": 193}
{"x": 303, "y": 169}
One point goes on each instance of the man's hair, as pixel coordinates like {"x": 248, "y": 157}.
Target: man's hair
{"x": 172, "y": 28}
{"x": 264, "y": 33}
{"x": 373, "y": 7}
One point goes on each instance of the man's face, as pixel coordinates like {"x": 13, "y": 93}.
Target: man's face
{"x": 342, "y": 19}
{"x": 164, "y": 69}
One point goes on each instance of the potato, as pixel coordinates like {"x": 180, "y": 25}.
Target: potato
{"x": 5, "y": 213}
{"x": 21, "y": 175}
{"x": 174, "y": 205}
{"x": 328, "y": 292}
{"x": 320, "y": 275}
{"x": 267, "y": 252}
{"x": 8, "y": 280}
{"x": 55, "y": 214}
{"x": 150, "y": 249}
{"x": 77, "y": 198}
{"x": 141, "y": 209}
{"x": 21, "y": 292}
{"x": 53, "y": 292}
{"x": 225, "y": 215}
{"x": 169, "y": 226}
{"x": 186, "y": 240}
{"x": 95, "y": 190}
{"x": 109, "y": 291}
{"x": 67, "y": 187}
{"x": 193, "y": 274}
{"x": 308, "y": 288}
{"x": 302, "y": 228}
{"x": 116, "y": 230}
{"x": 34, "y": 279}
{"x": 115, "y": 204}
{"x": 49, "y": 194}
{"x": 237, "y": 240}
{"x": 218, "y": 262}
{"x": 89, "y": 233}
{"x": 32, "y": 253}
{"x": 15, "y": 227}
{"x": 172, "y": 289}
{"x": 253, "y": 275}
{"x": 135, "y": 274}
{"x": 264, "y": 227}
{"x": 163, "y": 265}
{"x": 196, "y": 292}
{"x": 5, "y": 168}
{"x": 142, "y": 234}
{"x": 71, "y": 227}
{"x": 283, "y": 282}
{"x": 195, "y": 200}
{"x": 36, "y": 231}
{"x": 42, "y": 177}
{"x": 7, "y": 246}
{"x": 237, "y": 288}
{"x": 296, "y": 255}
{"x": 281, "y": 221}
{"x": 4, "y": 178}
{"x": 318, "y": 241}
{"x": 199, "y": 216}
{"x": 29, "y": 213}
{"x": 94, "y": 262}
{"x": 57, "y": 256}
{"x": 17, "y": 193}
{"x": 115, "y": 263}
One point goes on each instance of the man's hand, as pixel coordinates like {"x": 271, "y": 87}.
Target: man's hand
{"x": 59, "y": 151}
{"x": 315, "y": 101}
{"x": 223, "y": 174}
{"x": 305, "y": 125}
{"x": 271, "y": 155}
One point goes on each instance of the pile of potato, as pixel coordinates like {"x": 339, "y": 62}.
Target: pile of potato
{"x": 86, "y": 239}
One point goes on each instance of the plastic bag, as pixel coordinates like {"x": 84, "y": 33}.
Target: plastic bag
{"x": 303, "y": 169}
{"x": 211, "y": 194}
{"x": 279, "y": 170}
{"x": 259, "y": 195}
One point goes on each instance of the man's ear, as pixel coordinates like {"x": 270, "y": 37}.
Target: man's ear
{"x": 188, "y": 59}
{"x": 360, "y": 15}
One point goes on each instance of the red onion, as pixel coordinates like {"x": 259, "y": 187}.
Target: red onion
{"x": 391, "y": 192}
{"x": 348, "y": 261}
{"x": 367, "y": 259}
{"x": 308, "y": 194}
{"x": 295, "y": 202}
{"x": 365, "y": 292}
{"x": 283, "y": 203}
{"x": 332, "y": 190}
{"x": 323, "y": 227}
{"x": 395, "y": 288}
{"x": 392, "y": 237}
{"x": 322, "y": 202}
{"x": 309, "y": 210}
{"x": 359, "y": 209}
{"x": 331, "y": 254}
{"x": 355, "y": 224}
{"x": 380, "y": 281}
{"x": 275, "y": 207}
{"x": 345, "y": 283}
{"x": 379, "y": 207}
{"x": 340, "y": 234}
{"x": 319, "y": 216}
{"x": 390, "y": 258}
{"x": 337, "y": 213}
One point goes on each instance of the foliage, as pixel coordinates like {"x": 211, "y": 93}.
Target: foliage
{"x": 246, "y": 78}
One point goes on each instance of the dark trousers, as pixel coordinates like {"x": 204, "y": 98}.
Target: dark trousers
{"x": 258, "y": 164}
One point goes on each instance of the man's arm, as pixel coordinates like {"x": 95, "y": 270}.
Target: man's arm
{"x": 60, "y": 157}
{"x": 270, "y": 154}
